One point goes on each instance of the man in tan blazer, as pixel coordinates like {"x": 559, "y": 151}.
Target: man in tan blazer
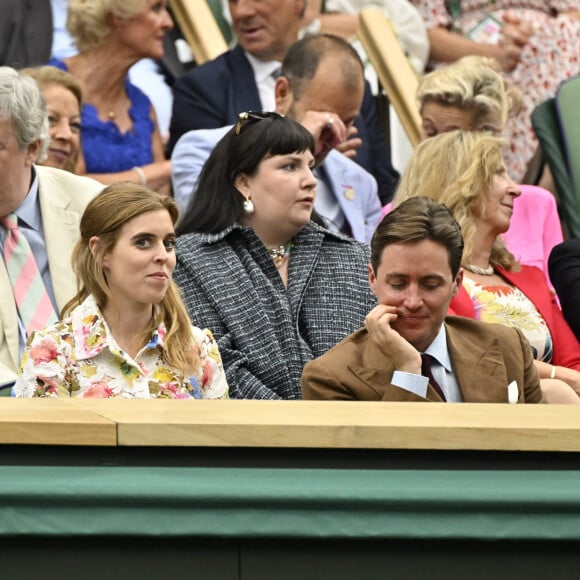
{"x": 48, "y": 203}
{"x": 415, "y": 272}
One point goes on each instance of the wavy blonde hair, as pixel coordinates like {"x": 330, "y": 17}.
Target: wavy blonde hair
{"x": 457, "y": 169}
{"x": 104, "y": 218}
{"x": 89, "y": 21}
{"x": 475, "y": 84}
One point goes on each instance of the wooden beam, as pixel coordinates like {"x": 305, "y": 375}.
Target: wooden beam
{"x": 199, "y": 28}
{"x": 393, "y": 68}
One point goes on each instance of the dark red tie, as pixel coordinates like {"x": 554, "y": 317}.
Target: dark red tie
{"x": 426, "y": 360}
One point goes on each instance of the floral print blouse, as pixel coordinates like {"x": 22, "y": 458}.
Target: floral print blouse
{"x": 509, "y": 306}
{"x": 79, "y": 357}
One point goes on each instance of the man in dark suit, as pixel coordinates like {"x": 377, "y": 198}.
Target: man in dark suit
{"x": 25, "y": 32}
{"x": 212, "y": 95}
{"x": 564, "y": 266}
{"x": 409, "y": 350}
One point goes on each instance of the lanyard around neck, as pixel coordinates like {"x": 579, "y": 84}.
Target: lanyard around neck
{"x": 454, "y": 8}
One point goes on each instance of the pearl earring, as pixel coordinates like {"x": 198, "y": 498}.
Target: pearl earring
{"x": 248, "y": 206}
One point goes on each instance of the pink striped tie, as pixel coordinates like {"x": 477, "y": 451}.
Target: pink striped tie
{"x": 34, "y": 305}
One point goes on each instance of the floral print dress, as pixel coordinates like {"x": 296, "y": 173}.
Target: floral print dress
{"x": 78, "y": 357}
{"x": 550, "y": 57}
{"x": 509, "y": 306}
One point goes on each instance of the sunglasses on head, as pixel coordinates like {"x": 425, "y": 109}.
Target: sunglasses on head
{"x": 253, "y": 116}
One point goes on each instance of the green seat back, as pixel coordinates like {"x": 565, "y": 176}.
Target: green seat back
{"x": 568, "y": 108}
{"x": 546, "y": 125}
{"x": 216, "y": 8}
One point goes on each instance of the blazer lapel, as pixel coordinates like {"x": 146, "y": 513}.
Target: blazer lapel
{"x": 8, "y": 314}
{"x": 244, "y": 91}
{"x": 478, "y": 367}
{"x": 344, "y": 187}
{"x": 376, "y": 371}
{"x": 61, "y": 232}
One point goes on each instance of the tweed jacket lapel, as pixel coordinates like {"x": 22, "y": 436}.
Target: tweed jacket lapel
{"x": 478, "y": 367}
{"x": 302, "y": 264}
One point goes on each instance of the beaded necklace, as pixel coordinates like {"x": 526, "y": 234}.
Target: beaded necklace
{"x": 280, "y": 253}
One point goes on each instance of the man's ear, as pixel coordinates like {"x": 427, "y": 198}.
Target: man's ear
{"x": 283, "y": 95}
{"x": 457, "y": 282}
{"x": 301, "y": 6}
{"x": 372, "y": 279}
{"x": 33, "y": 151}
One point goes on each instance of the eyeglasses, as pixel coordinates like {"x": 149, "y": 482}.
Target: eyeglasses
{"x": 244, "y": 118}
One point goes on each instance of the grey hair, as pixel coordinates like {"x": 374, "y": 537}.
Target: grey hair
{"x": 22, "y": 103}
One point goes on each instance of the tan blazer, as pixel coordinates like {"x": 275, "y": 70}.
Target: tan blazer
{"x": 485, "y": 359}
{"x": 63, "y": 198}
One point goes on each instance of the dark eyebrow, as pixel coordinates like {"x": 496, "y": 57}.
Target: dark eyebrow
{"x": 150, "y": 235}
{"x": 434, "y": 277}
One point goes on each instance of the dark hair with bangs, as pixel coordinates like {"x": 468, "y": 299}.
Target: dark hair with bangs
{"x": 216, "y": 203}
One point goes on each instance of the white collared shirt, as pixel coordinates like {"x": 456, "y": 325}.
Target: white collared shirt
{"x": 440, "y": 368}
{"x": 265, "y": 81}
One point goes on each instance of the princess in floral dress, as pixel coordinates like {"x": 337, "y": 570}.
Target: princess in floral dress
{"x": 126, "y": 333}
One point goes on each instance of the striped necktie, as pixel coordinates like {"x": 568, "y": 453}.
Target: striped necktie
{"x": 32, "y": 300}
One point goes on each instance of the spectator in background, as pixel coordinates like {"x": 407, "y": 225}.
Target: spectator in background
{"x": 472, "y": 94}
{"x": 125, "y": 333}
{"x": 466, "y": 172}
{"x": 40, "y": 211}
{"x": 321, "y": 86}
{"x": 341, "y": 17}
{"x": 276, "y": 288}
{"x": 243, "y": 79}
{"x": 536, "y": 42}
{"x": 120, "y": 137}
{"x": 564, "y": 267}
{"x": 64, "y": 98}
{"x": 25, "y": 32}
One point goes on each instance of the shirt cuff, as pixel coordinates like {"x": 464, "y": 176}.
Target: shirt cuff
{"x": 411, "y": 382}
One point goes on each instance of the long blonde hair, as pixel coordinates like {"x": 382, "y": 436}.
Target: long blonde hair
{"x": 104, "y": 217}
{"x": 457, "y": 169}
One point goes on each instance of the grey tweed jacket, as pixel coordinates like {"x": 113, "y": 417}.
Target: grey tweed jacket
{"x": 266, "y": 334}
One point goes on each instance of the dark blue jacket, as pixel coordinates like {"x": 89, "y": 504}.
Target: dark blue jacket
{"x": 213, "y": 94}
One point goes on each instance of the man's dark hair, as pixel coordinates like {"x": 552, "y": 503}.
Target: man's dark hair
{"x": 417, "y": 219}
{"x": 304, "y": 57}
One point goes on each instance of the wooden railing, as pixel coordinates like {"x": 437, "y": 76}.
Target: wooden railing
{"x": 199, "y": 28}
{"x": 393, "y": 69}
{"x": 290, "y": 424}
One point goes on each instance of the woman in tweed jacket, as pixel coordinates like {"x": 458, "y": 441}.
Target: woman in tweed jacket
{"x": 254, "y": 265}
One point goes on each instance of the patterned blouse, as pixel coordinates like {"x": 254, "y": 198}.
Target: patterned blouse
{"x": 509, "y": 306}
{"x": 79, "y": 357}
